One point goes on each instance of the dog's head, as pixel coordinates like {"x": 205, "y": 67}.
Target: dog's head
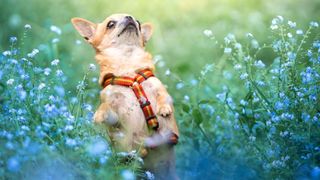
{"x": 116, "y": 30}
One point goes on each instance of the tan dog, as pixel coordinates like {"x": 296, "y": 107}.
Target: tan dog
{"x": 119, "y": 43}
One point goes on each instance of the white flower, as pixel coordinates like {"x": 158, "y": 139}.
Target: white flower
{"x": 55, "y": 40}
{"x": 299, "y": 32}
{"x": 33, "y": 53}
{"x": 207, "y": 33}
{"x": 41, "y": 86}
{"x": 280, "y": 18}
{"x": 274, "y": 26}
{"x": 157, "y": 58}
{"x": 186, "y": 98}
{"x": 10, "y": 81}
{"x": 27, "y": 26}
{"x": 238, "y": 46}
{"x": 149, "y": 175}
{"x": 6, "y": 53}
{"x": 78, "y": 42}
{"x": 55, "y": 29}
{"x": 229, "y": 38}
{"x": 259, "y": 64}
{"x": 244, "y": 76}
{"x": 254, "y": 44}
{"x": 227, "y": 50}
{"x": 167, "y": 73}
{"x": 292, "y": 24}
{"x": 274, "y": 21}
{"x": 289, "y": 35}
{"x": 55, "y": 62}
{"x": 92, "y": 67}
{"x": 314, "y": 24}
{"x": 249, "y": 35}
{"x": 252, "y": 138}
{"x": 207, "y": 68}
{"x": 47, "y": 71}
{"x": 237, "y": 66}
{"x": 59, "y": 72}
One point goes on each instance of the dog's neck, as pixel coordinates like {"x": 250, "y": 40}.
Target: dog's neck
{"x": 122, "y": 61}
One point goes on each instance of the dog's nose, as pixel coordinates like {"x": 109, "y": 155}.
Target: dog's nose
{"x": 129, "y": 17}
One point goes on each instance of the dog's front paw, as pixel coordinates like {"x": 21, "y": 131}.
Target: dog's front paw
{"x": 109, "y": 117}
{"x": 165, "y": 110}
{"x": 98, "y": 117}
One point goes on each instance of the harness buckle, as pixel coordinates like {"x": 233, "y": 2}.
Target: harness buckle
{"x": 135, "y": 83}
{"x": 146, "y": 103}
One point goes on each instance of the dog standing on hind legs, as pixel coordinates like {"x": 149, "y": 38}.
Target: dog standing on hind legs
{"x": 135, "y": 105}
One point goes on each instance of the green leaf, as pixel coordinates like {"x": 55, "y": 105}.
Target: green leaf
{"x": 197, "y": 116}
{"x": 206, "y": 101}
{"x": 185, "y": 107}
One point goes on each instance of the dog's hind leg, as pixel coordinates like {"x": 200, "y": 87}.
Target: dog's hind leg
{"x": 161, "y": 162}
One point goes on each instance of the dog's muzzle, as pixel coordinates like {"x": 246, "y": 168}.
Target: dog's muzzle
{"x": 129, "y": 25}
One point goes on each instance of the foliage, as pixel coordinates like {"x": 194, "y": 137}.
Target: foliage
{"x": 267, "y": 125}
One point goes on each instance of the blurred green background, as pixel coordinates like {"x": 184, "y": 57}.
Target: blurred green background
{"x": 179, "y": 26}
{"x": 178, "y": 35}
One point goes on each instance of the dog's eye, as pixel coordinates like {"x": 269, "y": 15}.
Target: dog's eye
{"x": 139, "y": 25}
{"x": 111, "y": 24}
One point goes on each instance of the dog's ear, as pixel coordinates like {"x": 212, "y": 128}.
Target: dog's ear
{"x": 85, "y": 28}
{"x": 146, "y": 32}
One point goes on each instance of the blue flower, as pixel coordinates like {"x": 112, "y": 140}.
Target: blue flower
{"x": 127, "y": 175}
{"x": 221, "y": 96}
{"x": 291, "y": 56}
{"x": 315, "y": 173}
{"x": 71, "y": 142}
{"x": 13, "y": 39}
{"x": 59, "y": 90}
{"x": 305, "y": 117}
{"x": 13, "y": 164}
{"x": 179, "y": 85}
{"x": 292, "y": 24}
{"x": 278, "y": 105}
{"x": 244, "y": 76}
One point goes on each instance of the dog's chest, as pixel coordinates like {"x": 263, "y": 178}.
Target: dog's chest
{"x": 123, "y": 100}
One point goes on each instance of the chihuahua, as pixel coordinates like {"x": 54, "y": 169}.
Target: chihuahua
{"x": 135, "y": 106}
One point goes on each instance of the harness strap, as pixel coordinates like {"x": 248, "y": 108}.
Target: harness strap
{"x": 135, "y": 85}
